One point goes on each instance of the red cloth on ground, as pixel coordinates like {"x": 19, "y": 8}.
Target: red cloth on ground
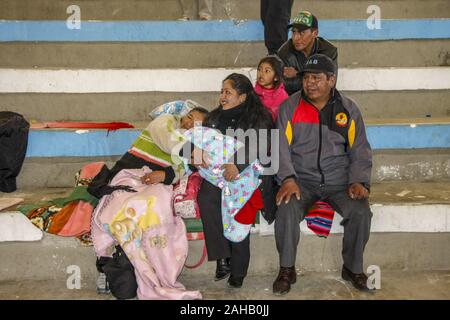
{"x": 79, "y": 222}
{"x": 111, "y": 126}
{"x": 247, "y": 214}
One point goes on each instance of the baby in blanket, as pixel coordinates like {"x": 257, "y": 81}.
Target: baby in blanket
{"x": 158, "y": 141}
{"x": 235, "y": 194}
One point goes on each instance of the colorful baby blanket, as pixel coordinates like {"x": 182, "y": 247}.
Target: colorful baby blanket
{"x": 235, "y": 194}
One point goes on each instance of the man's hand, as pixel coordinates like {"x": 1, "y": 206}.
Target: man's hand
{"x": 154, "y": 177}
{"x": 200, "y": 158}
{"x": 289, "y": 72}
{"x": 357, "y": 192}
{"x": 288, "y": 188}
{"x": 231, "y": 171}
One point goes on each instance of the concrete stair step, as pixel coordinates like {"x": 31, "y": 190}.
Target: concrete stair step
{"x": 404, "y": 149}
{"x": 135, "y": 106}
{"x": 49, "y": 258}
{"x": 389, "y": 165}
{"x": 249, "y": 9}
{"x": 403, "y": 53}
{"x": 417, "y": 243}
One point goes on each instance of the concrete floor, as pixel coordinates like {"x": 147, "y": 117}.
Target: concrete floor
{"x": 401, "y": 285}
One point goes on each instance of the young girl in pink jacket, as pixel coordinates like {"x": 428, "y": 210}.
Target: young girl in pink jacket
{"x": 269, "y": 85}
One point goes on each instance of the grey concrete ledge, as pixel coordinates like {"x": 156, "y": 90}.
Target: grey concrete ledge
{"x": 134, "y": 107}
{"x": 227, "y": 9}
{"x": 352, "y": 54}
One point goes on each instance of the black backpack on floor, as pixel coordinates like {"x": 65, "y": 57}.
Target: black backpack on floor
{"x": 120, "y": 274}
{"x": 13, "y": 146}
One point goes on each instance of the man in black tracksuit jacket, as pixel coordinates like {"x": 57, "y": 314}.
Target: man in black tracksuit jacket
{"x": 303, "y": 43}
{"x": 324, "y": 155}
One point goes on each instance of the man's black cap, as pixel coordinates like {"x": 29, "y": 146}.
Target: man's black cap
{"x": 304, "y": 20}
{"x": 317, "y": 63}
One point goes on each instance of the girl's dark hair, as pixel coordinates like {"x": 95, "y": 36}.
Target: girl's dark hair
{"x": 256, "y": 115}
{"x": 277, "y": 66}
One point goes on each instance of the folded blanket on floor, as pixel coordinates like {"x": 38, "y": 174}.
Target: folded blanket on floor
{"x": 52, "y": 216}
{"x": 68, "y": 216}
{"x": 15, "y": 227}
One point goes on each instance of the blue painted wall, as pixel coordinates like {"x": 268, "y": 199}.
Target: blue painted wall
{"x": 228, "y": 30}
{"x": 64, "y": 143}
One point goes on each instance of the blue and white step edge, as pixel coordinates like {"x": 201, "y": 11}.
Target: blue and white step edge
{"x": 204, "y": 80}
{"x": 211, "y": 31}
{"x": 96, "y": 143}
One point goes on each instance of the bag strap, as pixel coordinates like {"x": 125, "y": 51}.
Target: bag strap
{"x": 202, "y": 259}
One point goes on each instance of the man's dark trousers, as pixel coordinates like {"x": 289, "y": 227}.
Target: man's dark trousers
{"x": 356, "y": 221}
{"x": 275, "y": 16}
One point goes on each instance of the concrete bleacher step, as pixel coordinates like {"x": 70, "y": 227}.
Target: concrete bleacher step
{"x": 219, "y": 54}
{"x": 27, "y": 54}
{"x": 410, "y": 231}
{"x": 136, "y": 106}
{"x": 389, "y": 165}
{"x": 237, "y": 9}
{"x": 415, "y": 149}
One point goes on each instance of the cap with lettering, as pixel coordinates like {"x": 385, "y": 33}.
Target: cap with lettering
{"x": 304, "y": 20}
{"x": 318, "y": 63}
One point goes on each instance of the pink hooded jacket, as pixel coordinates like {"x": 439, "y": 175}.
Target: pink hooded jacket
{"x": 272, "y": 98}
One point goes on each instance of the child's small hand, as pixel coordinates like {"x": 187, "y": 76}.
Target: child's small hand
{"x": 200, "y": 158}
{"x": 230, "y": 171}
{"x": 154, "y": 177}
{"x": 290, "y": 72}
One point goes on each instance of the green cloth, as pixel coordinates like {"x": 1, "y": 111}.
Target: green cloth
{"x": 79, "y": 193}
{"x": 193, "y": 225}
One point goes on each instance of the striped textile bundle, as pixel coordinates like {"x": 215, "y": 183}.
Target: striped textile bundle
{"x": 319, "y": 219}
{"x": 144, "y": 147}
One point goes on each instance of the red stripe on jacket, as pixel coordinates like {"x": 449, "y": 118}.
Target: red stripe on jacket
{"x": 305, "y": 113}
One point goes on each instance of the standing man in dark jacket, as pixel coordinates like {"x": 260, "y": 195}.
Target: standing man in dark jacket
{"x": 324, "y": 155}
{"x": 275, "y": 16}
{"x": 303, "y": 43}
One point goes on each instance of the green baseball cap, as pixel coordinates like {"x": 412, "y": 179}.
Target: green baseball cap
{"x": 304, "y": 20}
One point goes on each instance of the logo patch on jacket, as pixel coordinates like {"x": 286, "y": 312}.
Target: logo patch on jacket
{"x": 341, "y": 119}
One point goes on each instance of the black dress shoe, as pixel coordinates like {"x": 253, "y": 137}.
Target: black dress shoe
{"x": 285, "y": 278}
{"x": 235, "y": 282}
{"x": 222, "y": 269}
{"x": 358, "y": 280}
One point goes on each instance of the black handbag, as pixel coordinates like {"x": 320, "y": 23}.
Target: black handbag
{"x": 120, "y": 274}
{"x": 13, "y": 146}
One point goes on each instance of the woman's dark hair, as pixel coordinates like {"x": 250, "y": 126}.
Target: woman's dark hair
{"x": 277, "y": 66}
{"x": 256, "y": 115}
